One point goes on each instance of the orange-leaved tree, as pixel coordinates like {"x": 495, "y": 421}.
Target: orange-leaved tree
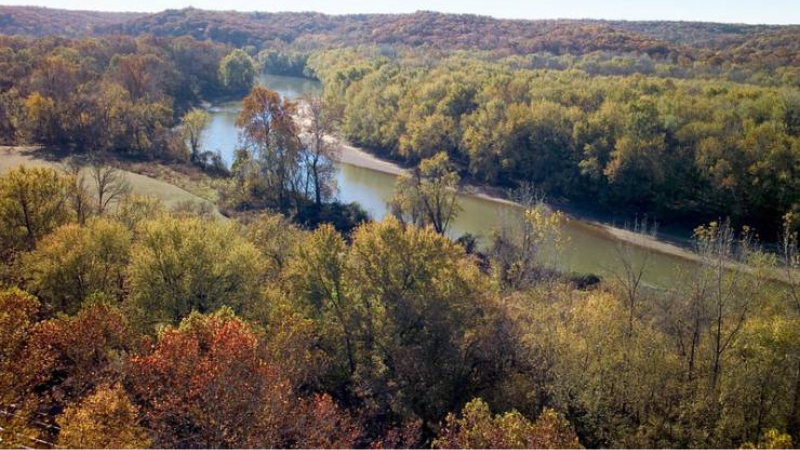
{"x": 71, "y": 356}
{"x": 270, "y": 135}
{"x": 210, "y": 383}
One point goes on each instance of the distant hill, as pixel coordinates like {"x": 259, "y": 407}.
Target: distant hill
{"x": 36, "y": 21}
{"x": 726, "y": 41}
{"x": 715, "y": 42}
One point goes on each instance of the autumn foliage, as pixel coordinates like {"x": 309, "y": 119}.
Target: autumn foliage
{"x": 296, "y": 322}
{"x": 209, "y": 383}
{"x": 478, "y": 428}
{"x": 105, "y": 419}
{"x": 716, "y": 43}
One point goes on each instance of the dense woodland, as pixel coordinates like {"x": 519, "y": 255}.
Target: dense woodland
{"x": 676, "y": 149}
{"x": 298, "y": 322}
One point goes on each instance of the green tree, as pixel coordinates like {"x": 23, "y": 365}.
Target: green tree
{"x": 316, "y": 275}
{"x": 371, "y": 106}
{"x": 595, "y": 366}
{"x": 761, "y": 372}
{"x": 416, "y": 295}
{"x": 485, "y": 139}
{"x": 180, "y": 265}
{"x": 636, "y": 167}
{"x": 74, "y": 262}
{"x": 275, "y": 237}
{"x": 237, "y": 71}
{"x": 134, "y": 209}
{"x": 195, "y": 121}
{"x": 427, "y": 135}
{"x": 383, "y": 308}
{"x": 33, "y": 202}
{"x": 428, "y": 196}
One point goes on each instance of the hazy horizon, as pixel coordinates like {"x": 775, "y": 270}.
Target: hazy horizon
{"x": 779, "y": 12}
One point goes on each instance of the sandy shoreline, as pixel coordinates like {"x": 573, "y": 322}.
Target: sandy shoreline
{"x": 354, "y": 156}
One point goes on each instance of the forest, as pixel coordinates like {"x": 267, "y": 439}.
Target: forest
{"x": 292, "y": 320}
{"x": 673, "y": 149}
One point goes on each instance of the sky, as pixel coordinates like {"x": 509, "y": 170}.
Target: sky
{"x": 735, "y": 11}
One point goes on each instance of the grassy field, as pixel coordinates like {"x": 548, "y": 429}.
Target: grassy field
{"x": 173, "y": 196}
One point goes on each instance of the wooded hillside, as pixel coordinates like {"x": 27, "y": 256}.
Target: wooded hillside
{"x": 718, "y": 43}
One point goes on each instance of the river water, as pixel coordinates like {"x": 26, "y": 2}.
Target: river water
{"x": 590, "y": 249}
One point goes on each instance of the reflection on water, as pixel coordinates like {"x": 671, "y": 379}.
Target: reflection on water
{"x": 589, "y": 250}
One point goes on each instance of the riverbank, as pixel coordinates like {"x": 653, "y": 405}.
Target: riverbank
{"x": 354, "y": 156}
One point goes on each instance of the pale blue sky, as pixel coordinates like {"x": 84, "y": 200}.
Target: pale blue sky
{"x": 752, "y": 11}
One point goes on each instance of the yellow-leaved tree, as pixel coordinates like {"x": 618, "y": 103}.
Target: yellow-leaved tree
{"x": 105, "y": 419}
{"x": 74, "y": 262}
{"x": 33, "y": 202}
{"x": 478, "y": 428}
{"x": 180, "y": 265}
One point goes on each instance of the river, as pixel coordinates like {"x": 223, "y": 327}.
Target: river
{"x": 590, "y": 248}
